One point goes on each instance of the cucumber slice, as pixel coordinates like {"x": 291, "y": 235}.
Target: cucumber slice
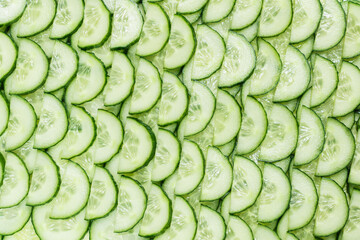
{"x": 73, "y": 193}
{"x": 191, "y": 168}
{"x": 245, "y": 13}
{"x": 332, "y": 26}
{"x": 338, "y": 150}
{"x": 11, "y": 11}
{"x": 340, "y": 177}
{"x": 127, "y": 23}
{"x": 31, "y": 69}
{"x": 183, "y": 222}
{"x": 21, "y": 125}
{"x": 104, "y": 53}
{"x": 303, "y": 200}
{"x": 306, "y": 47}
{"x": 69, "y": 15}
{"x": 253, "y": 127}
{"x": 2, "y": 169}
{"x": 44, "y": 41}
{"x": 121, "y": 80}
{"x": 210, "y": 225}
{"x": 239, "y": 61}
{"x": 294, "y": 78}
{"x": 63, "y": 67}
{"x": 95, "y": 28}
{"x": 250, "y": 32}
{"x": 89, "y": 82}
{"x": 238, "y": 229}
{"x": 352, "y": 229}
{"x": 103, "y": 194}
{"x": 13, "y": 219}
{"x": 228, "y": 148}
{"x": 15, "y": 185}
{"x": 227, "y": 118}
{"x": 246, "y": 186}
{"x": 167, "y": 155}
{"x": 157, "y": 215}
{"x": 190, "y": 6}
{"x": 281, "y": 136}
{"x": 209, "y": 53}
{"x": 267, "y": 69}
{"x": 53, "y": 123}
{"x": 311, "y": 137}
{"x": 284, "y": 164}
{"x": 306, "y": 19}
{"x": 215, "y": 10}
{"x": 138, "y": 147}
{"x": 351, "y": 47}
{"x": 155, "y": 32}
{"x": 9, "y": 53}
{"x": 131, "y": 206}
{"x": 275, "y": 195}
{"x": 147, "y": 89}
{"x": 4, "y": 117}
{"x": 193, "y": 17}
{"x": 265, "y": 233}
{"x": 73, "y": 228}
{"x": 354, "y": 176}
{"x": 174, "y": 100}
{"x": 103, "y": 228}
{"x": 181, "y": 45}
{"x": 218, "y": 176}
{"x": 38, "y": 16}
{"x": 275, "y": 17}
{"x": 333, "y": 209}
{"x": 45, "y": 180}
{"x": 26, "y": 233}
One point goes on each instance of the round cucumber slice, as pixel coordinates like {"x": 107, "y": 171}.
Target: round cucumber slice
{"x": 13, "y": 219}
{"x": 210, "y": 225}
{"x": 4, "y": 118}
{"x": 11, "y": 11}
{"x": 245, "y": 13}
{"x": 8, "y": 54}
{"x": 238, "y": 229}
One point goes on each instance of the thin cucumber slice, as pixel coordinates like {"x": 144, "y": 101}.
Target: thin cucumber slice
{"x": 340, "y": 177}
{"x": 103, "y": 195}
{"x": 5, "y": 112}
{"x": 275, "y": 195}
{"x": 250, "y": 32}
{"x": 155, "y": 32}
{"x": 215, "y": 10}
{"x": 45, "y": 180}
{"x": 63, "y": 67}
{"x": 283, "y": 225}
{"x": 174, "y": 100}
{"x": 193, "y": 17}
{"x": 351, "y": 47}
{"x": 311, "y": 137}
{"x": 21, "y": 125}
{"x": 348, "y": 120}
{"x": 95, "y": 28}
{"x": 275, "y": 17}
{"x": 127, "y": 23}
{"x": 73, "y": 194}
{"x": 239, "y": 61}
{"x": 181, "y": 45}
{"x": 11, "y": 11}
{"x": 38, "y": 16}
{"x": 69, "y": 15}
{"x": 121, "y": 80}
{"x": 53, "y": 123}
{"x": 238, "y": 229}
{"x": 89, "y": 81}
{"x": 26, "y": 233}
{"x": 227, "y": 118}
{"x": 15, "y": 184}
{"x": 73, "y": 228}
{"x": 138, "y": 147}
{"x": 281, "y": 136}
{"x": 253, "y": 127}
{"x": 44, "y": 41}
{"x": 147, "y": 88}
{"x": 167, "y": 155}
{"x": 190, "y": 6}
{"x": 209, "y": 53}
{"x": 201, "y": 110}
{"x": 183, "y": 222}
{"x": 2, "y": 169}
{"x": 294, "y": 78}
{"x": 265, "y": 233}
{"x": 225, "y": 207}
{"x": 332, "y": 211}
{"x": 352, "y": 230}
{"x": 324, "y": 80}
{"x": 13, "y": 219}
{"x": 284, "y": 164}
{"x": 31, "y": 69}
{"x": 104, "y": 53}
{"x": 157, "y": 215}
{"x": 103, "y": 228}
{"x": 332, "y": 26}
{"x": 228, "y": 148}
{"x": 80, "y": 135}
{"x": 245, "y": 13}
{"x": 303, "y": 200}
{"x": 338, "y": 150}
{"x": 191, "y": 169}
{"x": 306, "y": 46}
{"x": 354, "y": 175}
{"x": 246, "y": 186}
{"x": 306, "y": 19}
{"x": 218, "y": 176}
{"x": 267, "y": 70}
{"x": 210, "y": 225}
{"x": 8, "y": 51}
{"x": 131, "y": 206}
{"x": 346, "y": 97}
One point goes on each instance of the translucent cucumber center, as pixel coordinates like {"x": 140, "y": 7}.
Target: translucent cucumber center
{"x": 67, "y": 189}
{"x": 162, "y": 155}
{"x": 221, "y": 116}
{"x": 247, "y": 126}
{"x": 117, "y": 77}
{"x": 270, "y": 11}
{"x": 83, "y": 75}
{"x": 187, "y": 165}
{"x": 268, "y": 192}
{"x": 32, "y": 11}
{"x": 63, "y": 15}
{"x": 304, "y": 134}
{"x": 213, "y": 171}
{"x": 331, "y": 148}
{"x": 203, "y": 54}
{"x": 353, "y": 28}
{"x": 9, "y": 182}
{"x": 122, "y": 22}
{"x": 13, "y": 126}
{"x": 231, "y": 62}
{"x": 276, "y": 133}
{"x": 325, "y": 23}
{"x": 318, "y": 81}
{"x": 103, "y": 137}
{"x": 142, "y": 84}
{"x": 204, "y": 230}
{"x": 5, "y": 3}
{"x": 169, "y": 96}
{"x": 24, "y": 66}
{"x": 176, "y": 41}
{"x": 130, "y": 147}
{"x": 240, "y": 186}
{"x": 326, "y": 206}
{"x": 153, "y": 208}
{"x": 91, "y": 20}
{"x": 151, "y": 29}
{"x": 344, "y": 87}
{"x": 299, "y": 14}
{"x": 124, "y": 207}
{"x": 354, "y": 219}
{"x": 297, "y": 199}
{"x": 56, "y": 66}
{"x": 194, "y": 111}
{"x": 60, "y": 225}
{"x": 46, "y": 121}
{"x": 98, "y": 190}
{"x": 38, "y": 179}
